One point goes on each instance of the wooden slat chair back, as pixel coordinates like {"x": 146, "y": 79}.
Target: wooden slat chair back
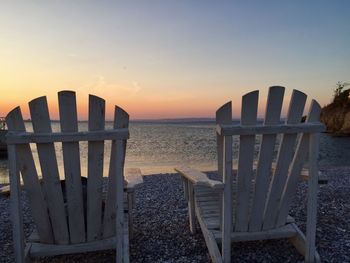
{"x": 262, "y": 196}
{"x": 256, "y": 185}
{"x": 76, "y": 215}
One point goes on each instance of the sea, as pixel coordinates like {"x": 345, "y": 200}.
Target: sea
{"x": 158, "y": 146}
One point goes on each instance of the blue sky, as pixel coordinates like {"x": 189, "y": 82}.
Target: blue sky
{"x": 152, "y": 56}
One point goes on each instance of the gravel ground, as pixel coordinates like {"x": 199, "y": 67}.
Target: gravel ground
{"x": 162, "y": 232}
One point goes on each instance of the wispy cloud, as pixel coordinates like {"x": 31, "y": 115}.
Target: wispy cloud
{"x": 136, "y": 87}
{"x": 99, "y": 83}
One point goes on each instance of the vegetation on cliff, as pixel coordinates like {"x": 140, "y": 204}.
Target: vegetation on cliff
{"x": 336, "y": 115}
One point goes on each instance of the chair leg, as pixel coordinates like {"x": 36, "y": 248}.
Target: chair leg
{"x": 299, "y": 242}
{"x": 15, "y": 206}
{"x": 125, "y": 257}
{"x": 27, "y": 257}
{"x": 185, "y": 185}
{"x": 131, "y": 202}
{"x": 191, "y": 208}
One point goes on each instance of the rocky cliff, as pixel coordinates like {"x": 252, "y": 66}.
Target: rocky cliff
{"x": 336, "y": 115}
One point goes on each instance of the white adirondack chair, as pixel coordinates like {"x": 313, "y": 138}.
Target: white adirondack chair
{"x": 252, "y": 202}
{"x": 75, "y": 220}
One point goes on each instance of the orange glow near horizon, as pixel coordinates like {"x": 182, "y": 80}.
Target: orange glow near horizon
{"x": 137, "y": 109}
{"x": 140, "y": 108}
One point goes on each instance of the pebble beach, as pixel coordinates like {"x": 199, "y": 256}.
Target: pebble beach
{"x": 161, "y": 231}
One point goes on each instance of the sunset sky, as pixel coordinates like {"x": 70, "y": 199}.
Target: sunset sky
{"x": 170, "y": 59}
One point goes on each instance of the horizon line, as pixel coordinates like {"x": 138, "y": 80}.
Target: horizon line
{"x": 187, "y": 119}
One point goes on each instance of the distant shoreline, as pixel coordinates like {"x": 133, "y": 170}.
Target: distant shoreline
{"x": 174, "y": 120}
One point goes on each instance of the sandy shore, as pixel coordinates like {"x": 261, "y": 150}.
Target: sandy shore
{"x": 162, "y": 233}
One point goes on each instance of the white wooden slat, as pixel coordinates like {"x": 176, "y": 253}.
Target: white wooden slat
{"x": 285, "y": 155}
{"x": 245, "y": 162}
{"x": 71, "y": 159}
{"x": 28, "y": 137}
{"x": 120, "y": 224}
{"x": 211, "y": 204}
{"x": 223, "y": 116}
{"x": 222, "y": 119}
{"x": 15, "y": 206}
{"x": 210, "y": 212}
{"x": 119, "y": 201}
{"x": 300, "y": 157}
{"x": 312, "y": 199}
{"x": 26, "y": 165}
{"x": 211, "y": 225}
{"x": 292, "y": 179}
{"x": 225, "y": 113}
{"x": 48, "y": 162}
{"x": 121, "y": 120}
{"x": 207, "y": 197}
{"x": 202, "y": 195}
{"x": 267, "y": 147}
{"x": 213, "y": 222}
{"x": 95, "y": 169}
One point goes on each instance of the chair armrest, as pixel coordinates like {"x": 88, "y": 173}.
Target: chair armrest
{"x": 132, "y": 178}
{"x": 198, "y": 178}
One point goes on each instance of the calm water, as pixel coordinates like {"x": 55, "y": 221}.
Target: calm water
{"x": 157, "y": 147}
